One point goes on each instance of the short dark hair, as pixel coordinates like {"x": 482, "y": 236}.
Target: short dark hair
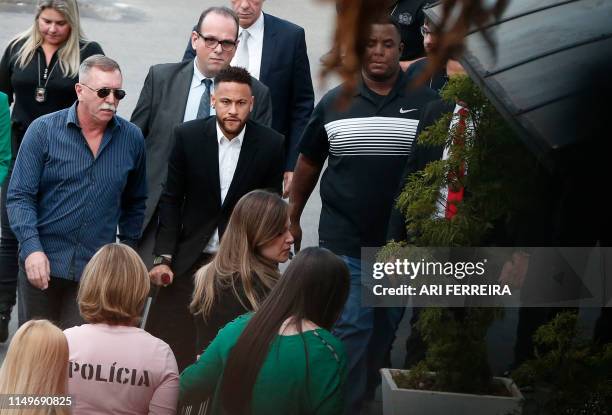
{"x": 223, "y": 11}
{"x": 387, "y": 19}
{"x": 234, "y": 74}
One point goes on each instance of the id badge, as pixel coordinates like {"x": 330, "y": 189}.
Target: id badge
{"x": 40, "y": 95}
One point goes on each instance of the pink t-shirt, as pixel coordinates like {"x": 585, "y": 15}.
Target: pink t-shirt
{"x": 120, "y": 370}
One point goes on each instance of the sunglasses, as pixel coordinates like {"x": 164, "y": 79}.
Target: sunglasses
{"x": 104, "y": 92}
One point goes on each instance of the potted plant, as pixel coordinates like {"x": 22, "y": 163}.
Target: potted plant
{"x": 455, "y": 375}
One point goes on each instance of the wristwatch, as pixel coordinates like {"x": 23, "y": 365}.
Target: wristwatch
{"x": 162, "y": 260}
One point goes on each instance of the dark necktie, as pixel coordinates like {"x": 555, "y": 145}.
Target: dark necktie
{"x": 204, "y": 108}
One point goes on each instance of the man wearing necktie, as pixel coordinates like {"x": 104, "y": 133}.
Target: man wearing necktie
{"x": 178, "y": 92}
{"x": 273, "y": 50}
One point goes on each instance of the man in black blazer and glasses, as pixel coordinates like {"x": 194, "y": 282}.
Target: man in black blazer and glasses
{"x": 215, "y": 161}
{"x": 178, "y": 92}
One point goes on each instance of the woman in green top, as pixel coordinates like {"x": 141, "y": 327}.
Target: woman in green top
{"x": 282, "y": 359}
{"x": 5, "y": 136}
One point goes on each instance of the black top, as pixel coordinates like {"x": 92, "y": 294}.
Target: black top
{"x": 20, "y": 85}
{"x": 409, "y": 14}
{"x": 436, "y": 82}
{"x": 420, "y": 157}
{"x": 368, "y": 144}
{"x": 225, "y": 309}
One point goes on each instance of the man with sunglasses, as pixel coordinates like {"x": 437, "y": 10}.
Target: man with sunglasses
{"x": 79, "y": 175}
{"x": 174, "y": 93}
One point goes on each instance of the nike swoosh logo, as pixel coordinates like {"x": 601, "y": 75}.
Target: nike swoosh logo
{"x": 403, "y": 111}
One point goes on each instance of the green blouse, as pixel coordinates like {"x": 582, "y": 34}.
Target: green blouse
{"x": 282, "y": 386}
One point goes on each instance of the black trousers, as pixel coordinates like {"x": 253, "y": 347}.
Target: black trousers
{"x": 9, "y": 267}
{"x": 170, "y": 319}
{"x": 57, "y": 303}
{"x": 147, "y": 242}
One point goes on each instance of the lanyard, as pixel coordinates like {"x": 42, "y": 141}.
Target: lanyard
{"x": 45, "y": 76}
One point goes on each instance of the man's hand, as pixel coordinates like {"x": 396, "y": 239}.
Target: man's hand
{"x": 514, "y": 270}
{"x": 157, "y": 272}
{"x": 287, "y": 179}
{"x": 38, "y": 270}
{"x": 305, "y": 178}
{"x": 454, "y": 67}
{"x": 296, "y": 232}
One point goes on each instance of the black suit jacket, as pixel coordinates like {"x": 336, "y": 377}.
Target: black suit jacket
{"x": 285, "y": 69}
{"x": 190, "y": 206}
{"x": 420, "y": 158}
{"x": 161, "y": 107}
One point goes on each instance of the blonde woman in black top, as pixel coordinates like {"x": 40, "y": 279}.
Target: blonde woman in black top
{"x": 38, "y": 72}
{"x": 245, "y": 268}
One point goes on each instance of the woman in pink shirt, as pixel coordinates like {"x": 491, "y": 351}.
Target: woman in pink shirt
{"x": 116, "y": 367}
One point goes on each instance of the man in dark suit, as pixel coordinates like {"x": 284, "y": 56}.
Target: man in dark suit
{"x": 177, "y": 92}
{"x": 215, "y": 161}
{"x": 273, "y": 50}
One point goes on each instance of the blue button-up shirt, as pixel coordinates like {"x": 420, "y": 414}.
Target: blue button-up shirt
{"x": 67, "y": 203}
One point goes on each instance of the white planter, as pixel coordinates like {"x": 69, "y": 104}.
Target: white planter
{"x": 397, "y": 401}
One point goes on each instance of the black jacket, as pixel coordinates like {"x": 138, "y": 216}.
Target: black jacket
{"x": 190, "y": 206}
{"x": 421, "y": 156}
{"x": 226, "y": 308}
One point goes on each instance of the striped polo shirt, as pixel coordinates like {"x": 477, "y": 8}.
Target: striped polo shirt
{"x": 67, "y": 203}
{"x": 367, "y": 144}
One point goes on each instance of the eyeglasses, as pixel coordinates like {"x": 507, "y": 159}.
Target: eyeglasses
{"x": 211, "y": 43}
{"x": 425, "y": 31}
{"x": 104, "y": 92}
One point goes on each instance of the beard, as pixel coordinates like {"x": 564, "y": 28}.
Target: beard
{"x": 232, "y": 127}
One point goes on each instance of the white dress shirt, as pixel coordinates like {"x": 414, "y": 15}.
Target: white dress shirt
{"x": 196, "y": 89}
{"x": 229, "y": 152}
{"x": 443, "y": 197}
{"x": 255, "y": 45}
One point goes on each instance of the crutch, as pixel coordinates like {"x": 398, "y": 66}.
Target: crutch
{"x": 151, "y": 298}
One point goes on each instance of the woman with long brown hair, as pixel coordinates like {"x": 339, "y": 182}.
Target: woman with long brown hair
{"x": 38, "y": 72}
{"x": 245, "y": 268}
{"x": 36, "y": 364}
{"x": 281, "y": 359}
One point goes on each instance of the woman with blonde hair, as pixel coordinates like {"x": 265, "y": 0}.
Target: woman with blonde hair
{"x": 38, "y": 72}
{"x": 116, "y": 367}
{"x": 245, "y": 268}
{"x": 36, "y": 364}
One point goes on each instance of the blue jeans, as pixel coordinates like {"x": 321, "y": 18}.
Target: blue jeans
{"x": 368, "y": 334}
